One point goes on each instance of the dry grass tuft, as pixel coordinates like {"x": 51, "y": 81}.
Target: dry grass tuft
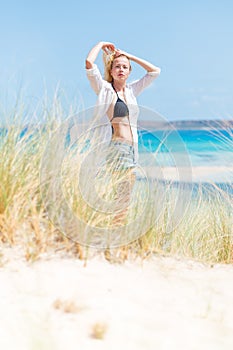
{"x": 67, "y": 306}
{"x": 98, "y": 330}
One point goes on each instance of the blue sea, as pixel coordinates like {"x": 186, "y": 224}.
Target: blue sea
{"x": 209, "y": 149}
{"x": 195, "y": 147}
{"x": 201, "y": 146}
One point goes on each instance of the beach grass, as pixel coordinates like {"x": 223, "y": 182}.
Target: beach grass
{"x": 203, "y": 232}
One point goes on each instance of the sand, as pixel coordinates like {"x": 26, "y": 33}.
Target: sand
{"x": 197, "y": 174}
{"x": 169, "y": 303}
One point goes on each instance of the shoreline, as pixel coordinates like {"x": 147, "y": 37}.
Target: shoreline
{"x": 197, "y": 174}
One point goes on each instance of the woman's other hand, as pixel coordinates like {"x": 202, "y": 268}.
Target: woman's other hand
{"x": 108, "y": 48}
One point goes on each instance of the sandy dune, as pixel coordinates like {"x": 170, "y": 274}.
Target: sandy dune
{"x": 162, "y": 303}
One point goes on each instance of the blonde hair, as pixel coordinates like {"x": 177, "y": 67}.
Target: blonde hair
{"x": 108, "y": 61}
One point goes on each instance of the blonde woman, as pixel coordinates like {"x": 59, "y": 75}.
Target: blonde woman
{"x": 116, "y": 99}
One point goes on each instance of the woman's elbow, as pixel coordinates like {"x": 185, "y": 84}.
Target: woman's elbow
{"x": 154, "y": 70}
{"x": 157, "y": 70}
{"x": 88, "y": 64}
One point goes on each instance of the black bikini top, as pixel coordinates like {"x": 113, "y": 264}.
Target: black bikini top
{"x": 120, "y": 109}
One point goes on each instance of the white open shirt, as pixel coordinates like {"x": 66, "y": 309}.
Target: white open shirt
{"x": 106, "y": 94}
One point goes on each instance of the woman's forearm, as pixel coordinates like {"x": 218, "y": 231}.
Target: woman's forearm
{"x": 92, "y": 55}
{"x": 144, "y": 64}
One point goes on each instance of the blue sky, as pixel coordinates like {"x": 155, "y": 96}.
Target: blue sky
{"x": 44, "y": 44}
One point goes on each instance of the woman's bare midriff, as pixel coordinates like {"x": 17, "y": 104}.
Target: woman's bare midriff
{"x": 122, "y": 130}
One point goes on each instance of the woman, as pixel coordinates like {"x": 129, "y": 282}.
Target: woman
{"x": 117, "y": 100}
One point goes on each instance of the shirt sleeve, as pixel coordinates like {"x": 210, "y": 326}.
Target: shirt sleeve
{"x": 139, "y": 85}
{"x": 95, "y": 78}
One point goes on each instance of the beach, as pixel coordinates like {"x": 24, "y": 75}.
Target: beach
{"x": 59, "y": 302}
{"x": 172, "y": 289}
{"x": 197, "y": 174}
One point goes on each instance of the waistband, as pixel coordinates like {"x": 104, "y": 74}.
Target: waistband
{"x": 121, "y": 143}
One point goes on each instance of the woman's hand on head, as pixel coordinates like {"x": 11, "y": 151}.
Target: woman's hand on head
{"x": 108, "y": 47}
{"x": 119, "y": 52}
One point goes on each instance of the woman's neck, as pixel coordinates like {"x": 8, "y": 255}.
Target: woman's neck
{"x": 119, "y": 86}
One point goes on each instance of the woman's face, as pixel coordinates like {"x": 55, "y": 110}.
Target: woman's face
{"x": 120, "y": 68}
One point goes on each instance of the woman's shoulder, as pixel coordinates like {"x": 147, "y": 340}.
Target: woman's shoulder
{"x": 98, "y": 83}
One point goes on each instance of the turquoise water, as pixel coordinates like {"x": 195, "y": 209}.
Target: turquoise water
{"x": 202, "y": 147}
{"x": 207, "y": 148}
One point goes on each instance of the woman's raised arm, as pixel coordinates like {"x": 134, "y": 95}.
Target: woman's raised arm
{"x": 92, "y": 55}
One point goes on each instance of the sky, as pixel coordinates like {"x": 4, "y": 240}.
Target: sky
{"x": 44, "y": 45}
